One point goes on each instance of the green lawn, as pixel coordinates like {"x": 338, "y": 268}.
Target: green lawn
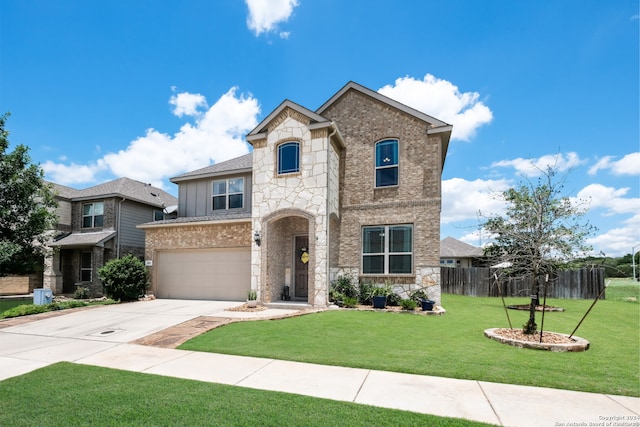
{"x": 452, "y": 345}
{"x": 625, "y": 290}
{"x": 65, "y": 394}
{"x": 6, "y": 304}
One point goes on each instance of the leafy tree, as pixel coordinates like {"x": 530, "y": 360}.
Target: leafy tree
{"x": 27, "y": 209}
{"x": 124, "y": 279}
{"x": 540, "y": 231}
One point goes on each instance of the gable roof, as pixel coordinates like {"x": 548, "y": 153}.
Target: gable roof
{"x": 259, "y": 131}
{"x": 435, "y": 126}
{"x": 238, "y": 164}
{"x": 435, "y": 123}
{"x": 121, "y": 187}
{"x": 453, "y": 248}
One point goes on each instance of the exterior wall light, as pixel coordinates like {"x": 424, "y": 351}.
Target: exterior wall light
{"x": 256, "y": 238}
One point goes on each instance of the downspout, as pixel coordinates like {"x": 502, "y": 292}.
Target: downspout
{"x": 328, "y": 215}
{"x": 118, "y": 225}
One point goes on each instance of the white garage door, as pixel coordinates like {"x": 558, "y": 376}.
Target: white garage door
{"x": 213, "y": 274}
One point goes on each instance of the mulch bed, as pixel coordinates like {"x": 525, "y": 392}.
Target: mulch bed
{"x": 547, "y": 337}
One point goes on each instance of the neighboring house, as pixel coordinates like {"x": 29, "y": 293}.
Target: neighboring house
{"x": 353, "y": 188}
{"x": 97, "y": 224}
{"x": 454, "y": 253}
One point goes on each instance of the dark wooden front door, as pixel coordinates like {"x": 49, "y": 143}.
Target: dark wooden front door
{"x": 301, "y": 269}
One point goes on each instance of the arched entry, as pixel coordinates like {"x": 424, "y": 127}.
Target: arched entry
{"x": 288, "y": 252}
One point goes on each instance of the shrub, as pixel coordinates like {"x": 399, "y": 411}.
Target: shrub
{"x": 365, "y": 292}
{"x": 350, "y": 302}
{"x": 82, "y": 292}
{"x": 418, "y": 296}
{"x": 124, "y": 279}
{"x": 393, "y": 299}
{"x": 409, "y": 304}
{"x": 345, "y": 286}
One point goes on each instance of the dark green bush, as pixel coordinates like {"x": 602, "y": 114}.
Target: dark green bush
{"x": 418, "y": 296}
{"x": 365, "y": 292}
{"x": 124, "y": 279}
{"x": 393, "y": 299}
{"x": 344, "y": 285}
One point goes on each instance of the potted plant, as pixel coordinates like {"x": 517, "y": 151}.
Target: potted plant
{"x": 252, "y": 298}
{"x": 379, "y": 295}
{"x": 427, "y": 304}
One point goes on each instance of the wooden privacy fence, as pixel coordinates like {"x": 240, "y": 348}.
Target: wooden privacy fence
{"x": 585, "y": 283}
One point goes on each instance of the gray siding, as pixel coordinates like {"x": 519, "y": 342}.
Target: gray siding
{"x": 131, "y": 215}
{"x": 196, "y": 196}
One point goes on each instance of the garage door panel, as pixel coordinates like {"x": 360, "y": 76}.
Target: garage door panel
{"x": 221, "y": 274}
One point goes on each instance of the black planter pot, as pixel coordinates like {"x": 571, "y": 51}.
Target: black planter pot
{"x": 379, "y": 301}
{"x": 427, "y": 304}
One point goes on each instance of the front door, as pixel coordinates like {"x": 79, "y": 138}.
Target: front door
{"x": 301, "y": 269}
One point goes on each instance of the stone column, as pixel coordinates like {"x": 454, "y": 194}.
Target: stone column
{"x": 52, "y": 276}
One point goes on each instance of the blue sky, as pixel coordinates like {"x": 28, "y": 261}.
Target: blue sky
{"x": 150, "y": 89}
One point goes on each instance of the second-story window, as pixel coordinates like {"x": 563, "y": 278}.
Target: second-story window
{"x": 288, "y": 158}
{"x": 228, "y": 194}
{"x": 93, "y": 215}
{"x": 387, "y": 163}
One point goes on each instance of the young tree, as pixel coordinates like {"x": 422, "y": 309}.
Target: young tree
{"x": 27, "y": 208}
{"x": 540, "y": 230}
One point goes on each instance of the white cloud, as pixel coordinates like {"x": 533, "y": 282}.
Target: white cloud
{"x": 265, "y": 15}
{"x": 535, "y": 167}
{"x": 444, "y": 101}
{"x": 612, "y": 200}
{"x": 215, "y": 135}
{"x": 628, "y": 165}
{"x": 73, "y": 173}
{"x": 620, "y": 240}
{"x": 187, "y": 103}
{"x": 462, "y": 199}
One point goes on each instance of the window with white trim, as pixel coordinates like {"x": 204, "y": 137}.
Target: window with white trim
{"x": 387, "y": 249}
{"x": 387, "y": 163}
{"x": 92, "y": 215}
{"x": 228, "y": 194}
{"x": 288, "y": 158}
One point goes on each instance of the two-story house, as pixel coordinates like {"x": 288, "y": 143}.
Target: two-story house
{"x": 98, "y": 224}
{"x": 353, "y": 188}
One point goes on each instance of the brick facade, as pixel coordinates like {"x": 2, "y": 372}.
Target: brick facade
{"x": 416, "y": 200}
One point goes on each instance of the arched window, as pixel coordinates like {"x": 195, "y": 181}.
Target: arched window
{"x": 387, "y": 163}
{"x": 288, "y": 158}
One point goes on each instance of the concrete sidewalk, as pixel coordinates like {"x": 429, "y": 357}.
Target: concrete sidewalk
{"x": 102, "y": 337}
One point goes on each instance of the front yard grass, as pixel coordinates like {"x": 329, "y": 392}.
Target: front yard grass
{"x": 452, "y": 345}
{"x": 73, "y": 395}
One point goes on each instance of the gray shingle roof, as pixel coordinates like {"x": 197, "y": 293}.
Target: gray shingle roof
{"x": 453, "y": 248}
{"x": 64, "y": 191}
{"x": 194, "y": 219}
{"x": 121, "y": 187}
{"x": 84, "y": 239}
{"x": 242, "y": 163}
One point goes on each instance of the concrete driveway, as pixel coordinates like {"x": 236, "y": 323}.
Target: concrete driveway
{"x": 78, "y": 334}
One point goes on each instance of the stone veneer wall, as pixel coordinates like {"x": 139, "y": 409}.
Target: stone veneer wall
{"x": 306, "y": 192}
{"x": 363, "y": 121}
